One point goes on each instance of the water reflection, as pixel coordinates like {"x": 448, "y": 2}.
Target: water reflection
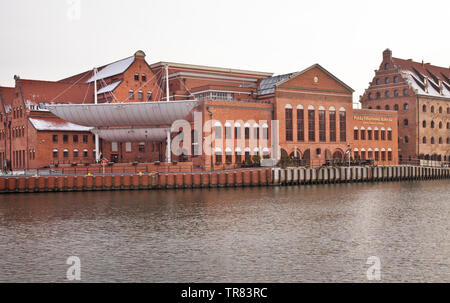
{"x": 279, "y": 234}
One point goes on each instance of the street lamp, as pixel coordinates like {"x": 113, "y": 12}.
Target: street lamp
{"x": 348, "y": 152}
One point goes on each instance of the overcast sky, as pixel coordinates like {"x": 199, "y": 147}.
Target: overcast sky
{"x": 52, "y": 39}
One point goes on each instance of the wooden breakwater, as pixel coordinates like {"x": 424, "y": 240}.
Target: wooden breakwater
{"x": 238, "y": 178}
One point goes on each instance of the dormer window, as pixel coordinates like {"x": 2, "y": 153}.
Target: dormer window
{"x": 136, "y": 77}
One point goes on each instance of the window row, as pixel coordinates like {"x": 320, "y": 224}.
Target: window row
{"x": 17, "y": 112}
{"x": 387, "y": 80}
{"x": 143, "y": 77}
{"x": 128, "y": 147}
{"x": 309, "y": 119}
{"x": 432, "y": 140}
{"x": 396, "y": 107}
{"x": 387, "y": 94}
{"x": 140, "y": 95}
{"x": 373, "y": 155}
{"x": 375, "y": 134}
{"x": 237, "y": 134}
{"x": 65, "y": 138}
{"x": 75, "y": 153}
{"x": 18, "y": 159}
{"x": 18, "y": 132}
{"x": 238, "y": 155}
{"x": 424, "y": 109}
{"x": 432, "y": 124}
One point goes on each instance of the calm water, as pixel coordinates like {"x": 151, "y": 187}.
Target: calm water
{"x": 290, "y": 234}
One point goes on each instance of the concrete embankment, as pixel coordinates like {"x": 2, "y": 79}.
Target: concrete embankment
{"x": 239, "y": 178}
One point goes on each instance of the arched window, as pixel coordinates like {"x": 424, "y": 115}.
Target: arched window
{"x": 405, "y": 122}
{"x": 432, "y": 109}
{"x": 396, "y": 107}
{"x": 432, "y": 140}
{"x": 440, "y": 109}
{"x": 370, "y": 96}
{"x": 131, "y": 94}
{"x": 387, "y": 107}
{"x": 448, "y": 110}
{"x": 396, "y": 79}
{"x": 289, "y": 124}
{"x": 386, "y": 66}
{"x": 387, "y": 80}
{"x": 440, "y": 140}
{"x": 424, "y": 108}
{"x": 405, "y": 106}
{"x": 140, "y": 95}
{"x": 448, "y": 125}
{"x": 377, "y": 81}
{"x": 424, "y": 140}
{"x": 378, "y": 95}
{"x": 440, "y": 124}
{"x": 387, "y": 94}
{"x": 432, "y": 124}
{"x": 406, "y": 139}
{"x": 448, "y": 140}
{"x": 424, "y": 123}
{"x": 405, "y": 92}
{"x": 395, "y": 93}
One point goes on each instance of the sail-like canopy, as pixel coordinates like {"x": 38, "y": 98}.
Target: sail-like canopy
{"x": 132, "y": 134}
{"x": 124, "y": 114}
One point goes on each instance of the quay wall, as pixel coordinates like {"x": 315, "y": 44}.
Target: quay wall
{"x": 238, "y": 178}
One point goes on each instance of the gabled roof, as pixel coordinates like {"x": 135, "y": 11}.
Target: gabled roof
{"x": 36, "y": 92}
{"x": 418, "y": 75}
{"x": 267, "y": 86}
{"x": 113, "y": 69}
{"x": 6, "y": 97}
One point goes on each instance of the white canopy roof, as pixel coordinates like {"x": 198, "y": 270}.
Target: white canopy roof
{"x": 132, "y": 134}
{"x": 124, "y": 114}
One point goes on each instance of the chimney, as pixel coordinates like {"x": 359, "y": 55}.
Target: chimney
{"x": 387, "y": 55}
{"x": 139, "y": 55}
{"x": 422, "y": 63}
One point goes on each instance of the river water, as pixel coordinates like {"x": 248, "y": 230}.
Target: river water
{"x": 318, "y": 233}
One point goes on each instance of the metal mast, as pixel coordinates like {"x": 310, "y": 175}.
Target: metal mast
{"x": 97, "y": 145}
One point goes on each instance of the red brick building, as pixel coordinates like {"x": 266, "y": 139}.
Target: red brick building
{"x": 313, "y": 110}
{"x": 420, "y": 93}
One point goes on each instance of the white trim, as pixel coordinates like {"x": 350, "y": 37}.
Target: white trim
{"x": 383, "y": 128}
{"x": 332, "y": 109}
{"x": 238, "y": 149}
{"x": 265, "y": 125}
{"x": 227, "y": 124}
{"x": 356, "y": 128}
{"x": 310, "y": 107}
{"x": 266, "y": 150}
{"x": 256, "y": 149}
{"x": 369, "y": 149}
{"x": 55, "y": 150}
{"x": 369, "y": 128}
{"x": 299, "y": 106}
{"x": 376, "y": 128}
{"x": 247, "y": 149}
{"x": 228, "y": 150}
{"x": 288, "y": 106}
{"x": 247, "y": 124}
{"x": 321, "y": 107}
{"x": 383, "y": 149}
{"x": 237, "y": 124}
{"x": 389, "y": 129}
{"x": 342, "y": 109}
{"x": 376, "y": 149}
{"x": 217, "y": 123}
{"x": 217, "y": 150}
{"x": 356, "y": 150}
{"x": 362, "y": 128}
{"x": 220, "y": 91}
{"x": 389, "y": 149}
{"x": 363, "y": 149}
{"x": 255, "y": 125}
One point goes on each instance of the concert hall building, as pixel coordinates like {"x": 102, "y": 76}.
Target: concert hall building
{"x": 306, "y": 115}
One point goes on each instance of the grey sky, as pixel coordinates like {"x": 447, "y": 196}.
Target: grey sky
{"x": 45, "y": 39}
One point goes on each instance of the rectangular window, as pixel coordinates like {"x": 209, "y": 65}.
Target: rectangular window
{"x": 265, "y": 133}
{"x": 356, "y": 155}
{"x": 369, "y": 134}
{"x": 389, "y": 135}
{"x": 75, "y": 139}
{"x": 228, "y": 158}
{"x": 75, "y": 153}
{"x": 355, "y": 134}
{"x": 256, "y": 133}
{"x": 247, "y": 133}
{"x": 363, "y": 155}
{"x": 383, "y": 135}
{"x": 85, "y": 153}
{"x": 227, "y": 132}
{"x": 375, "y": 134}
{"x": 65, "y": 138}
{"x": 131, "y": 95}
{"x": 149, "y": 95}
{"x": 333, "y": 126}
{"x": 311, "y": 125}
{"x": 218, "y": 158}
{"x": 288, "y": 118}
{"x": 363, "y": 134}
{"x": 300, "y": 125}
{"x": 55, "y": 138}
{"x": 66, "y": 153}
{"x": 389, "y": 156}
{"x": 370, "y": 155}
{"x": 85, "y": 138}
{"x": 55, "y": 154}
{"x": 142, "y": 147}
{"x": 322, "y": 136}
{"x": 377, "y": 155}
{"x": 114, "y": 147}
{"x": 140, "y": 95}
{"x": 238, "y": 157}
{"x": 218, "y": 132}
{"x": 128, "y": 147}
{"x": 144, "y": 77}
{"x": 383, "y": 156}
{"x": 136, "y": 77}
{"x": 237, "y": 132}
{"x": 342, "y": 126}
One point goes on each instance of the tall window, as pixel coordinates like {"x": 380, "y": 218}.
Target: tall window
{"x": 300, "y": 125}
{"x": 369, "y": 134}
{"x": 389, "y": 135}
{"x": 85, "y": 138}
{"x": 65, "y": 138}
{"x": 375, "y": 134}
{"x": 141, "y": 95}
{"x": 218, "y": 132}
{"x": 144, "y": 77}
{"x": 342, "y": 126}
{"x": 237, "y": 132}
{"x": 149, "y": 95}
{"x": 131, "y": 94}
{"x": 227, "y": 132}
{"x": 288, "y": 113}
{"x": 322, "y": 136}
{"x": 247, "y": 132}
{"x": 195, "y": 146}
{"x": 55, "y": 138}
{"x": 383, "y": 134}
{"x": 311, "y": 125}
{"x": 355, "y": 134}
{"x": 75, "y": 138}
{"x": 363, "y": 134}
{"x": 332, "y": 126}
